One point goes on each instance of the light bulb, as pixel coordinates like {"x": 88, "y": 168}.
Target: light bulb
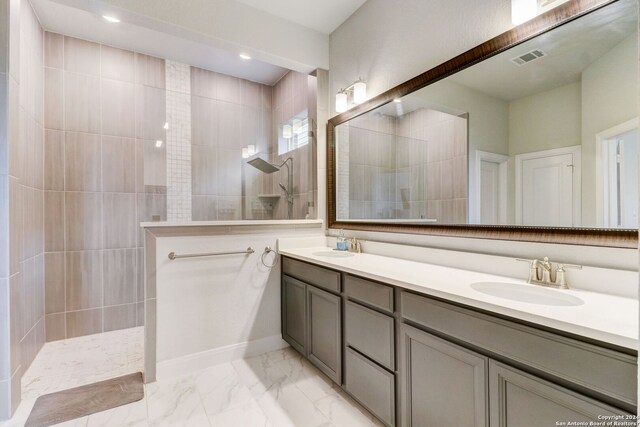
{"x": 111, "y": 19}
{"x": 341, "y": 102}
{"x": 286, "y": 131}
{"x": 245, "y": 153}
{"x": 359, "y": 92}
{"x": 251, "y": 150}
{"x": 523, "y": 10}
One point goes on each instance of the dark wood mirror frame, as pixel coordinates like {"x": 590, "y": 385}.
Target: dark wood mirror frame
{"x": 562, "y": 14}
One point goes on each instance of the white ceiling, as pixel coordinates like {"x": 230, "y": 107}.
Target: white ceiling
{"x": 60, "y": 18}
{"x": 278, "y": 34}
{"x": 323, "y": 16}
{"x": 570, "y": 49}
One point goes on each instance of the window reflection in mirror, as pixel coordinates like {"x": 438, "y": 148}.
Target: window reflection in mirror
{"x": 544, "y": 134}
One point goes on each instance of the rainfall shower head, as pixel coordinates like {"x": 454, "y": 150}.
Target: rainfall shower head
{"x": 263, "y": 165}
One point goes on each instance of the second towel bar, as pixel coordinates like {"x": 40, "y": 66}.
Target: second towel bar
{"x": 173, "y": 255}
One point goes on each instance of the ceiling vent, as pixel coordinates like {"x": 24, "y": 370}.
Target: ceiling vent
{"x": 528, "y": 57}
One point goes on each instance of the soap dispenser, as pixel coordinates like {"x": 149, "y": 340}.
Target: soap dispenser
{"x": 342, "y": 244}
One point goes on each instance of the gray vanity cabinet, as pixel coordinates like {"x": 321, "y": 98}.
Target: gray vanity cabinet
{"x": 442, "y": 384}
{"x": 312, "y": 314}
{"x": 522, "y": 400}
{"x": 415, "y": 360}
{"x": 294, "y": 313}
{"x": 324, "y": 332}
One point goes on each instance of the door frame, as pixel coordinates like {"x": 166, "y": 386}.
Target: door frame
{"x": 576, "y": 150}
{"x": 501, "y": 159}
{"x": 602, "y": 182}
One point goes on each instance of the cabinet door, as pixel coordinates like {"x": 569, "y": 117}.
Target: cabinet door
{"x": 522, "y": 400}
{"x": 294, "y": 313}
{"x": 325, "y": 332}
{"x": 442, "y": 384}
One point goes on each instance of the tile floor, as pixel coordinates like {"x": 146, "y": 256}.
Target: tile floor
{"x": 276, "y": 389}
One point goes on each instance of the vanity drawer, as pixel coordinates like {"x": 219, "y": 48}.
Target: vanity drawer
{"x": 317, "y": 276}
{"x": 371, "y": 385}
{"x": 374, "y": 294}
{"x": 598, "y": 369}
{"x": 370, "y": 332}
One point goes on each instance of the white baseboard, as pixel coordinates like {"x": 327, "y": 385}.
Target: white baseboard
{"x": 193, "y": 362}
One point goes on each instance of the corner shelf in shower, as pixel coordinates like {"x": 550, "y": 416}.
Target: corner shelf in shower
{"x": 269, "y": 196}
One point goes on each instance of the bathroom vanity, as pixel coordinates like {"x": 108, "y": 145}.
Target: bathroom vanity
{"x": 418, "y": 346}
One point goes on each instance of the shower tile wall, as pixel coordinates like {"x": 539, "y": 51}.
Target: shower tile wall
{"x": 228, "y": 114}
{"x": 343, "y": 203}
{"x": 293, "y": 94}
{"x": 104, "y": 111}
{"x": 432, "y": 162}
{"x": 21, "y": 201}
{"x": 410, "y": 167}
{"x": 178, "y": 84}
{"x": 372, "y": 167}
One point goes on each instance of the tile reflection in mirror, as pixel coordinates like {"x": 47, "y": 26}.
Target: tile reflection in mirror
{"x": 548, "y": 142}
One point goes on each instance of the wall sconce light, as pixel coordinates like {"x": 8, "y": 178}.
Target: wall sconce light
{"x": 287, "y": 131}
{"x": 354, "y": 94}
{"x": 341, "y": 102}
{"x": 159, "y": 143}
{"x": 524, "y": 10}
{"x": 245, "y": 153}
{"x": 359, "y": 92}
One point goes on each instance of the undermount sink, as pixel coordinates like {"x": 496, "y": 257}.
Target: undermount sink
{"x": 334, "y": 254}
{"x": 529, "y": 294}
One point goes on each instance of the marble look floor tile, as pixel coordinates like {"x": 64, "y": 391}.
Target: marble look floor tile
{"x": 307, "y": 378}
{"x": 283, "y": 354}
{"x": 78, "y": 422}
{"x": 259, "y": 374}
{"x": 79, "y": 361}
{"x": 221, "y": 389}
{"x": 175, "y": 403}
{"x": 286, "y": 405}
{"x": 342, "y": 411}
{"x": 248, "y": 414}
{"x": 21, "y": 415}
{"x": 131, "y": 415}
{"x": 275, "y": 389}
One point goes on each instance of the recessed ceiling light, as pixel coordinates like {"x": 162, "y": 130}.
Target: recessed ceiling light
{"x": 244, "y": 56}
{"x": 158, "y": 143}
{"x": 397, "y": 100}
{"x": 111, "y": 19}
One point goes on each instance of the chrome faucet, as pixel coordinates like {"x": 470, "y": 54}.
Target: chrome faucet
{"x": 543, "y": 273}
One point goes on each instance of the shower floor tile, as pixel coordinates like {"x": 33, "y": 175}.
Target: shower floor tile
{"x": 65, "y": 364}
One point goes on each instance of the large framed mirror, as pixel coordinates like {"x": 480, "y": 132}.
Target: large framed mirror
{"x": 530, "y": 136}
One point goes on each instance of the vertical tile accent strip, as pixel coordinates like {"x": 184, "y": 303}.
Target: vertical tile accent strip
{"x": 178, "y": 84}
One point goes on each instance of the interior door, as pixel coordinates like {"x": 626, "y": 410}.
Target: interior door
{"x": 547, "y": 191}
{"x": 489, "y": 192}
{"x": 620, "y": 155}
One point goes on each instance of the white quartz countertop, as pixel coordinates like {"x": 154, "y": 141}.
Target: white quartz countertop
{"x": 602, "y": 317}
